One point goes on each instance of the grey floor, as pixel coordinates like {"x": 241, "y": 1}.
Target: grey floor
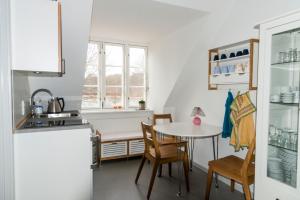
{"x": 114, "y": 180}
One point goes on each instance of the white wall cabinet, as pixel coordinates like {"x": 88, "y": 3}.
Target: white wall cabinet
{"x": 36, "y": 36}
{"x": 277, "y": 158}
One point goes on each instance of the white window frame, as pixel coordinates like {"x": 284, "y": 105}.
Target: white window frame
{"x": 125, "y": 75}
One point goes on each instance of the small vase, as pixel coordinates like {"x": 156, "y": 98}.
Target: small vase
{"x": 197, "y": 121}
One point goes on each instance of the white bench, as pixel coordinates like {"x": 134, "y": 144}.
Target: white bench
{"x": 116, "y": 145}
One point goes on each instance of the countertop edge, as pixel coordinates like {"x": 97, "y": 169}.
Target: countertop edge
{"x": 57, "y": 128}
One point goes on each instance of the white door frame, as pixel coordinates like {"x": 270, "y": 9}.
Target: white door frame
{"x": 6, "y": 137}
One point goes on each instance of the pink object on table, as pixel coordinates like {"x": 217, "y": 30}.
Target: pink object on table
{"x": 197, "y": 120}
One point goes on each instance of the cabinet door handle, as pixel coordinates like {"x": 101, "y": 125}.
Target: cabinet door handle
{"x": 63, "y": 66}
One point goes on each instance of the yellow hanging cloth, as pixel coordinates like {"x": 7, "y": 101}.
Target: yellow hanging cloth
{"x": 241, "y": 117}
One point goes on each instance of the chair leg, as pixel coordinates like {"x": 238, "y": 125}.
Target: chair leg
{"x": 140, "y": 170}
{"x": 159, "y": 170}
{"x": 247, "y": 191}
{"x": 154, "y": 171}
{"x": 186, "y": 174}
{"x": 232, "y": 182}
{"x": 170, "y": 169}
{"x": 208, "y": 184}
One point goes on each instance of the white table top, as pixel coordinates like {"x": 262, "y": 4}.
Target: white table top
{"x": 188, "y": 129}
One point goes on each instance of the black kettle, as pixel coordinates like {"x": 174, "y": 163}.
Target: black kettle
{"x": 56, "y": 105}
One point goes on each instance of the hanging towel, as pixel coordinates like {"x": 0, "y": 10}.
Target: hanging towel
{"x": 227, "y": 124}
{"x": 241, "y": 117}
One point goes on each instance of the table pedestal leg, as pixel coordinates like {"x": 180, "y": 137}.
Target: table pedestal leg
{"x": 191, "y": 152}
{"x": 179, "y": 164}
{"x": 216, "y": 155}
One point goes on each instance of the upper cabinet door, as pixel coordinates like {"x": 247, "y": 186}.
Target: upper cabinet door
{"x": 36, "y": 35}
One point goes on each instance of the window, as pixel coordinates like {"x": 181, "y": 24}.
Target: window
{"x": 115, "y": 76}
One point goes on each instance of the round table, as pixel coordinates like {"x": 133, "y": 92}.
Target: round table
{"x": 190, "y": 132}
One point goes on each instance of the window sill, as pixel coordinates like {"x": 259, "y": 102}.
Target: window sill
{"x": 90, "y": 111}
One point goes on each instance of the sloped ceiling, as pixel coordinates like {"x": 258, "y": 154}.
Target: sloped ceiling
{"x": 138, "y": 21}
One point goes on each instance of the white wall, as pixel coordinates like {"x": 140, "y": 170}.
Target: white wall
{"x": 179, "y": 63}
{"x": 76, "y": 19}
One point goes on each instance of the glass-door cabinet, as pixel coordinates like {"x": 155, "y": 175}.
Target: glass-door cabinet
{"x": 277, "y": 158}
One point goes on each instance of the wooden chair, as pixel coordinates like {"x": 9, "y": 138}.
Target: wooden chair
{"x": 167, "y": 140}
{"x": 158, "y": 155}
{"x": 234, "y": 168}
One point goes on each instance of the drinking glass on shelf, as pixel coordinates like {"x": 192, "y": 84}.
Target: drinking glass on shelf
{"x": 297, "y": 56}
{"x": 280, "y": 139}
{"x": 272, "y": 135}
{"x": 281, "y": 56}
{"x": 287, "y": 57}
{"x": 294, "y": 141}
{"x": 292, "y": 54}
{"x": 286, "y": 140}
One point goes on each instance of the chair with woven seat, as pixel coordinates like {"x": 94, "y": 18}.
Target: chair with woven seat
{"x": 166, "y": 140}
{"x": 236, "y": 169}
{"x": 160, "y": 154}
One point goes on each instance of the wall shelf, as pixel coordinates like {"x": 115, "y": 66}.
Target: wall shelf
{"x": 244, "y": 68}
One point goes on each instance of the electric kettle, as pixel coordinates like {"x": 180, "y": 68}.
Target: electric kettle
{"x": 56, "y": 105}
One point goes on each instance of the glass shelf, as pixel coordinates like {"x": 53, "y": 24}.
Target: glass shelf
{"x": 286, "y": 63}
{"x": 285, "y": 104}
{"x": 280, "y": 147}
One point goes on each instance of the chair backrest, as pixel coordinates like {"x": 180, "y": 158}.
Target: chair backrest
{"x": 149, "y": 135}
{"x": 161, "y": 116}
{"x": 250, "y": 157}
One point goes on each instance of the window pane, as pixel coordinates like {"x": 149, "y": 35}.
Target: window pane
{"x": 113, "y": 76}
{"x": 91, "y": 92}
{"x": 136, "y": 77}
{"x": 135, "y": 95}
{"x": 92, "y": 54}
{"x": 90, "y": 97}
{"x": 137, "y": 57}
{"x": 136, "y": 92}
{"x": 114, "y": 96}
{"x": 114, "y": 55}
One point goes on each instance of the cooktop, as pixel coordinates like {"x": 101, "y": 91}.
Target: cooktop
{"x": 53, "y": 123}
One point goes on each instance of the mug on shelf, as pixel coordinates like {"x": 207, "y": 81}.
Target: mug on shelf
{"x": 245, "y": 52}
{"x": 232, "y": 55}
{"x": 239, "y": 53}
{"x": 216, "y": 70}
{"x": 224, "y": 69}
{"x": 216, "y": 57}
{"x": 231, "y": 68}
{"x": 240, "y": 68}
{"x": 223, "y": 56}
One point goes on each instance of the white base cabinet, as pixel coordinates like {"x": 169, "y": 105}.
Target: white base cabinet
{"x": 36, "y": 35}
{"x": 53, "y": 165}
{"x": 277, "y": 174}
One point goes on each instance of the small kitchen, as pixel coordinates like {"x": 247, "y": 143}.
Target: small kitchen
{"x": 90, "y": 78}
